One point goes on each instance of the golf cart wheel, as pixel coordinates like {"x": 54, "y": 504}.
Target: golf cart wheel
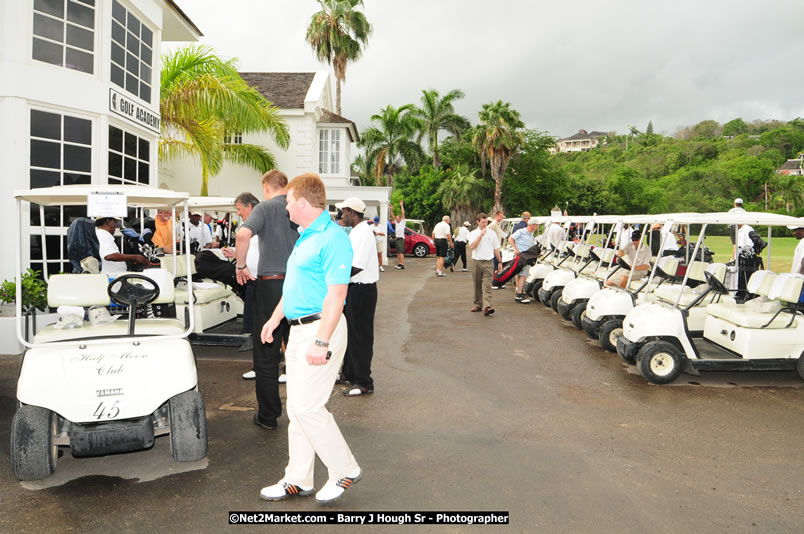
{"x": 420, "y": 250}
{"x": 660, "y": 362}
{"x": 554, "y": 299}
{"x": 609, "y": 333}
{"x": 188, "y": 427}
{"x": 33, "y": 454}
{"x": 577, "y": 314}
{"x": 567, "y": 312}
{"x": 534, "y": 291}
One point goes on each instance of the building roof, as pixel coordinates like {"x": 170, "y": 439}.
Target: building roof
{"x": 583, "y": 134}
{"x": 791, "y": 164}
{"x": 282, "y": 89}
{"x": 178, "y": 27}
{"x": 329, "y": 117}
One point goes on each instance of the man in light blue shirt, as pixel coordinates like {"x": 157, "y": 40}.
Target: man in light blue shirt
{"x": 522, "y": 240}
{"x": 313, "y": 295}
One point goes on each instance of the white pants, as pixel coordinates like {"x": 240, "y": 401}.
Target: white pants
{"x": 312, "y": 429}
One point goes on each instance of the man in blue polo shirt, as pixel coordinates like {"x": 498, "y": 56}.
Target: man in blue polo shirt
{"x": 313, "y": 295}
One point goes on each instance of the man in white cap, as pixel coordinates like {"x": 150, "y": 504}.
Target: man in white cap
{"x": 361, "y": 300}
{"x": 112, "y": 261}
{"x": 738, "y": 208}
{"x": 798, "y": 255}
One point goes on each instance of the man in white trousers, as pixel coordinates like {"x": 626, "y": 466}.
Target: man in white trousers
{"x": 313, "y": 294}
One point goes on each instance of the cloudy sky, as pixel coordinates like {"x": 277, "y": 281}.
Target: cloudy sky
{"x": 563, "y": 65}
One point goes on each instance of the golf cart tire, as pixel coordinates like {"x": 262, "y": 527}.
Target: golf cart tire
{"x": 534, "y": 291}
{"x": 577, "y": 314}
{"x": 567, "y": 313}
{"x": 420, "y": 250}
{"x": 188, "y": 427}
{"x": 554, "y": 299}
{"x": 660, "y": 362}
{"x": 609, "y": 332}
{"x": 33, "y": 455}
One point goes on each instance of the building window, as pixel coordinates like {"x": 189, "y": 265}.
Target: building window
{"x": 329, "y": 151}
{"x": 132, "y": 53}
{"x": 234, "y": 139}
{"x": 61, "y": 154}
{"x": 129, "y": 158}
{"x": 64, "y": 33}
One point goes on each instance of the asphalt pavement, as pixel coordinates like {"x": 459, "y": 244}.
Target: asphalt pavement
{"x": 515, "y": 412}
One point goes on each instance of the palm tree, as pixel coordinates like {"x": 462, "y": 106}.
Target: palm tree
{"x": 391, "y": 141}
{"x": 790, "y": 190}
{"x": 461, "y": 192}
{"x": 496, "y": 140}
{"x": 203, "y": 102}
{"x": 336, "y": 34}
{"x": 439, "y": 114}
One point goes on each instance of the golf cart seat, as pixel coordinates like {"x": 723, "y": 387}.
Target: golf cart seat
{"x": 690, "y": 294}
{"x": 784, "y": 289}
{"x": 759, "y": 284}
{"x": 87, "y": 290}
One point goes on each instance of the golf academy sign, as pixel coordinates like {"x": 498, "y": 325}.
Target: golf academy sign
{"x": 124, "y": 106}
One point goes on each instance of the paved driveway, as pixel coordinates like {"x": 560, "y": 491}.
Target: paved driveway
{"x": 517, "y": 412}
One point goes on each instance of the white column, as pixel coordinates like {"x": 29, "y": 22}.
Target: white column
{"x": 384, "y": 226}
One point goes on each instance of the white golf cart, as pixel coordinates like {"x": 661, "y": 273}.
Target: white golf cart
{"x": 577, "y": 292}
{"x": 551, "y": 258}
{"x": 554, "y": 282}
{"x": 606, "y": 309}
{"x": 104, "y": 386}
{"x": 765, "y": 333}
{"x": 217, "y": 309}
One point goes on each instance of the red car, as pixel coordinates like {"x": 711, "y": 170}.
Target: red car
{"x": 415, "y": 243}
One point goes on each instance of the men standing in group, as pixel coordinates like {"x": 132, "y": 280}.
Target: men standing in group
{"x": 485, "y": 246}
{"x": 522, "y": 240}
{"x": 461, "y": 239}
{"x": 277, "y": 236}
{"x": 318, "y": 272}
{"x": 442, "y": 236}
{"x": 361, "y": 300}
{"x": 798, "y": 255}
{"x": 112, "y": 261}
{"x": 399, "y": 232}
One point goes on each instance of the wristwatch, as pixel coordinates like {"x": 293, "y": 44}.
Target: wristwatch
{"x": 240, "y": 267}
{"x": 320, "y": 342}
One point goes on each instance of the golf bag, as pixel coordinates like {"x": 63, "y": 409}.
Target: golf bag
{"x": 451, "y": 258}
{"x": 82, "y": 242}
{"x": 513, "y": 267}
{"x": 209, "y": 265}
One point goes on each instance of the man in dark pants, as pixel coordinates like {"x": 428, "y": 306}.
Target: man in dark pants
{"x": 361, "y": 300}
{"x": 277, "y": 235}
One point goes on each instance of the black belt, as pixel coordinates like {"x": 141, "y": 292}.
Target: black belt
{"x": 305, "y": 320}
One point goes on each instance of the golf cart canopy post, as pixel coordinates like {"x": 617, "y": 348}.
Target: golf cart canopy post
{"x": 78, "y": 195}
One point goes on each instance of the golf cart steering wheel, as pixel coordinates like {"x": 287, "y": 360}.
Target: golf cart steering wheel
{"x": 622, "y": 263}
{"x": 124, "y": 290}
{"x": 716, "y": 285}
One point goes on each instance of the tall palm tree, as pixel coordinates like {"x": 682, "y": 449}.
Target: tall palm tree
{"x": 203, "y": 102}
{"x": 461, "y": 193}
{"x": 390, "y": 143}
{"x": 790, "y": 190}
{"x": 337, "y": 34}
{"x": 496, "y": 140}
{"x": 439, "y": 114}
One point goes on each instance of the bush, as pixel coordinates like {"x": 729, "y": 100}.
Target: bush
{"x": 34, "y": 291}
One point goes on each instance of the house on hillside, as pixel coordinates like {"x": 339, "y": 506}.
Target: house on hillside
{"x": 792, "y": 167}
{"x": 320, "y": 142}
{"x": 79, "y": 104}
{"x": 582, "y": 141}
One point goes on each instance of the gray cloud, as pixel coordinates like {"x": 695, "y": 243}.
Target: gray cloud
{"x": 563, "y": 66}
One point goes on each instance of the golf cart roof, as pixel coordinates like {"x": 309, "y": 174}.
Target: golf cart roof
{"x": 211, "y": 204}
{"x": 758, "y": 218}
{"x": 76, "y": 195}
